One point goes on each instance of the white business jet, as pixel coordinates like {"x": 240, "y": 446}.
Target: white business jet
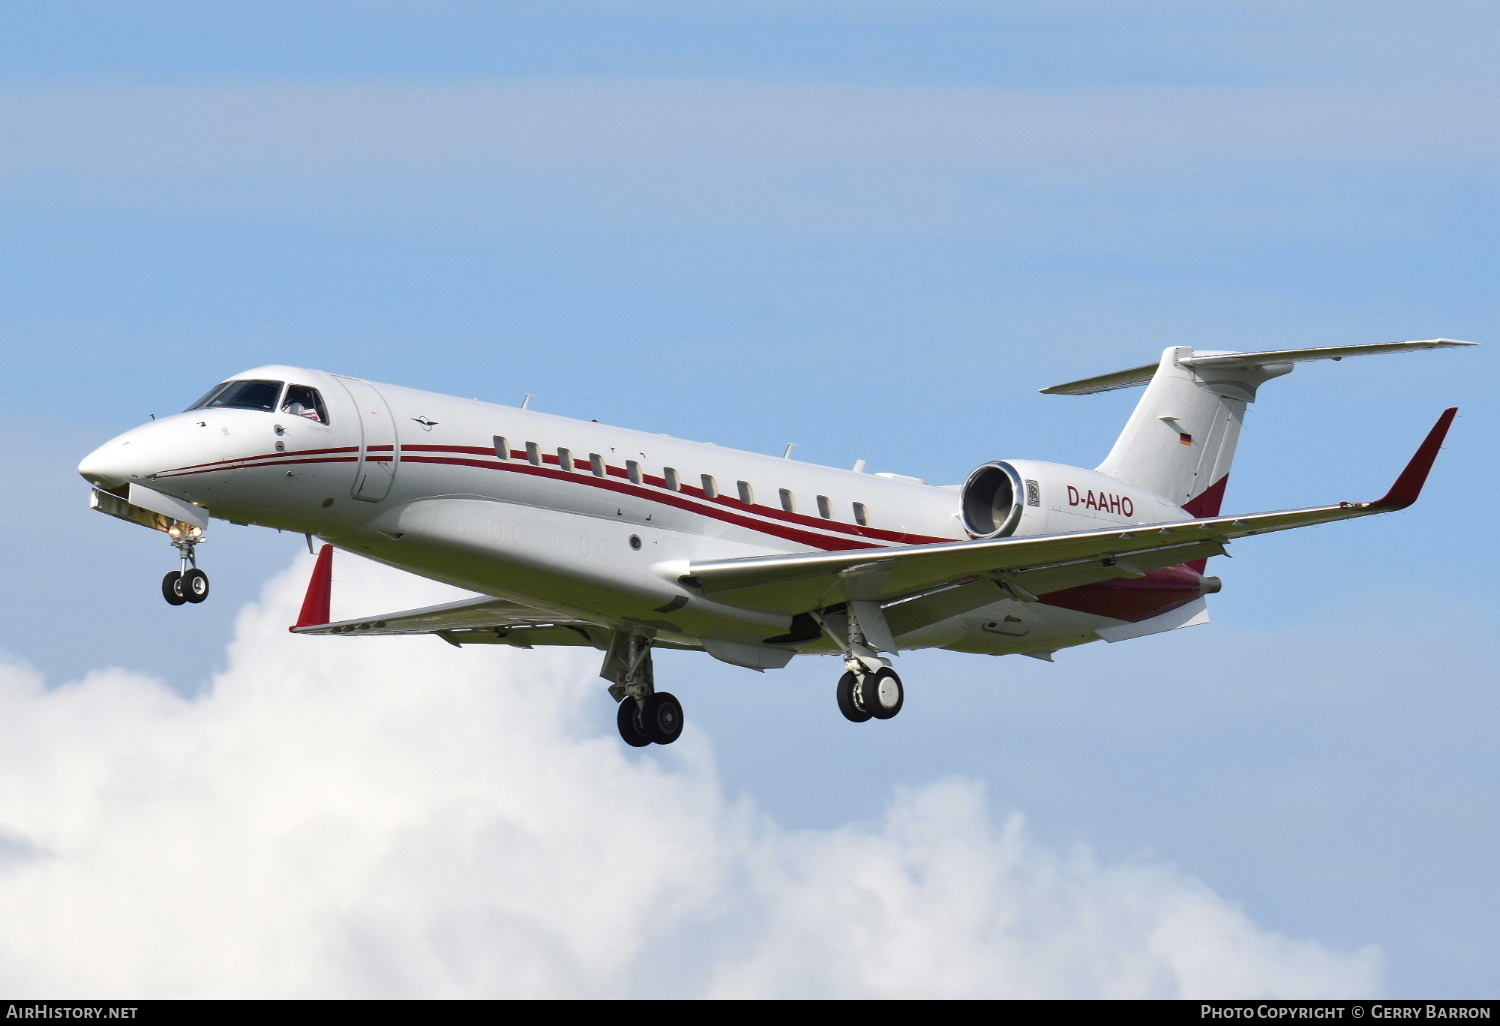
{"x": 577, "y": 533}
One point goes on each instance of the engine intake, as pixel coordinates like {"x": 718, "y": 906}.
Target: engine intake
{"x": 993, "y": 499}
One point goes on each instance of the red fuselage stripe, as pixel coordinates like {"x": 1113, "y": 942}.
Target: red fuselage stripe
{"x": 690, "y": 499}
{"x": 819, "y": 541}
{"x": 1130, "y": 600}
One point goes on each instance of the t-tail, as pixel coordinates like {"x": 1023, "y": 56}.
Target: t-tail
{"x": 1180, "y": 441}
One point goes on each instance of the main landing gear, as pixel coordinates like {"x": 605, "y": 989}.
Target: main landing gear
{"x": 188, "y": 584}
{"x": 869, "y": 688}
{"x": 645, "y": 716}
{"x": 865, "y": 695}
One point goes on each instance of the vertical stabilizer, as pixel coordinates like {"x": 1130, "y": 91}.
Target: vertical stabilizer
{"x": 1180, "y": 440}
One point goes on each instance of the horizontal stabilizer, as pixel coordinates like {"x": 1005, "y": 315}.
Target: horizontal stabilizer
{"x": 1142, "y": 374}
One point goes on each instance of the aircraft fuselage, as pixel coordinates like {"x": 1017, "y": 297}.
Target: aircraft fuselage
{"x": 601, "y": 522}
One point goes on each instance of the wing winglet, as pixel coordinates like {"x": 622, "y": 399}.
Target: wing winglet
{"x": 1409, "y": 485}
{"x": 317, "y": 601}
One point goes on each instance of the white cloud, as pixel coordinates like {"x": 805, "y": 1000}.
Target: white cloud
{"x": 395, "y": 817}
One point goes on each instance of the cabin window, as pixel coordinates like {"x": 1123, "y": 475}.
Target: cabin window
{"x": 305, "y": 402}
{"x": 673, "y": 482}
{"x": 565, "y": 459}
{"x": 861, "y": 515}
{"x": 787, "y": 502}
{"x": 502, "y": 447}
{"x": 710, "y": 488}
{"x": 825, "y": 508}
{"x": 596, "y": 464}
{"x": 633, "y": 469}
{"x": 534, "y": 454}
{"x": 747, "y": 494}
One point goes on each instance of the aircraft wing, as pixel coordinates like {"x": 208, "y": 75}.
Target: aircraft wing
{"x": 481, "y": 621}
{"x": 1026, "y": 567}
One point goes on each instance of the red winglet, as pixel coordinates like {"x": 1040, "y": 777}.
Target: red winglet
{"x": 319, "y": 592}
{"x": 1409, "y": 485}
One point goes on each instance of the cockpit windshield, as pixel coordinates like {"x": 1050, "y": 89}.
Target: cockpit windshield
{"x": 241, "y": 395}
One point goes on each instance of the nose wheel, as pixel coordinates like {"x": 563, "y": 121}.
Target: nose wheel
{"x": 188, "y": 584}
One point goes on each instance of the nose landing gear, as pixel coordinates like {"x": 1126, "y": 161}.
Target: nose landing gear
{"x": 188, "y": 584}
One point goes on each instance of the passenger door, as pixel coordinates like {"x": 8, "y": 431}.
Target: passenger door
{"x": 379, "y": 455}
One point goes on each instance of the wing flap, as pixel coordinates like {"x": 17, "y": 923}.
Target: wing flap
{"x": 481, "y": 620}
{"x": 483, "y": 614}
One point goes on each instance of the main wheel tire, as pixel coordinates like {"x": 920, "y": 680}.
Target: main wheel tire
{"x": 851, "y": 702}
{"x": 195, "y": 585}
{"x": 662, "y": 717}
{"x": 883, "y": 694}
{"x": 171, "y": 588}
{"x": 627, "y": 718}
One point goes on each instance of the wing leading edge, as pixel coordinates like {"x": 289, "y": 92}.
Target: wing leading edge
{"x": 1026, "y": 567}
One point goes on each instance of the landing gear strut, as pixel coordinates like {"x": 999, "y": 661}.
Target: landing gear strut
{"x": 645, "y": 716}
{"x": 188, "y": 584}
{"x": 869, "y": 687}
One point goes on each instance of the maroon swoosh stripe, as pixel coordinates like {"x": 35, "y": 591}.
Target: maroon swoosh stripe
{"x": 690, "y": 499}
{"x": 250, "y": 462}
{"x": 820, "y": 541}
{"x": 519, "y": 462}
{"x": 241, "y": 460}
{"x": 1128, "y": 601}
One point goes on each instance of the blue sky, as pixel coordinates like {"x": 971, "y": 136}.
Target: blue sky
{"x": 874, "y": 230}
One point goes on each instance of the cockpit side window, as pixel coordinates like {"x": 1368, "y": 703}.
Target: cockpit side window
{"x": 241, "y": 395}
{"x": 302, "y": 401}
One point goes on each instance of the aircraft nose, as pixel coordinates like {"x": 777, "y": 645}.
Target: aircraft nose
{"x": 133, "y": 456}
{"x": 107, "y": 466}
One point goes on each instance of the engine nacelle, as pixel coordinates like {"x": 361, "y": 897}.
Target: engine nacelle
{"x": 993, "y": 501}
{"x": 1027, "y": 497}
